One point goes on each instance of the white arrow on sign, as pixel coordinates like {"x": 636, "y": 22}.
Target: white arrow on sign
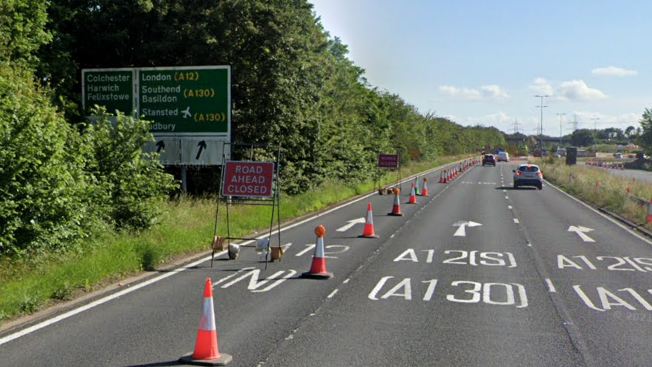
{"x": 580, "y": 232}
{"x": 461, "y": 232}
{"x": 350, "y": 224}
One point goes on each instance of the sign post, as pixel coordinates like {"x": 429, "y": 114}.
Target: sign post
{"x": 388, "y": 161}
{"x": 251, "y": 183}
{"x": 190, "y": 107}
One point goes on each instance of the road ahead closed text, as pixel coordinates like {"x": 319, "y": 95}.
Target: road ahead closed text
{"x": 248, "y": 179}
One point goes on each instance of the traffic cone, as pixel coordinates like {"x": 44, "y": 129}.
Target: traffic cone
{"x": 369, "y": 224}
{"x": 396, "y": 208}
{"x": 318, "y": 267}
{"x": 648, "y": 217}
{"x": 424, "y": 189}
{"x": 413, "y": 196}
{"x": 206, "y": 352}
{"x": 416, "y": 186}
{"x": 441, "y": 177}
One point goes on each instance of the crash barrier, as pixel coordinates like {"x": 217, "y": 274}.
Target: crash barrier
{"x": 601, "y": 190}
{"x": 607, "y": 165}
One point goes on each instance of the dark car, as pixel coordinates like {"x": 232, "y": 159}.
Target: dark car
{"x": 489, "y": 159}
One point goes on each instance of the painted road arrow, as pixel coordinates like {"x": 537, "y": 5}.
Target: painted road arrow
{"x": 580, "y": 232}
{"x": 461, "y": 232}
{"x": 350, "y": 224}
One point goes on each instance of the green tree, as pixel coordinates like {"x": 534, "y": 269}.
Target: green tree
{"x": 645, "y": 137}
{"x": 582, "y": 138}
{"x": 43, "y": 191}
{"x": 22, "y": 31}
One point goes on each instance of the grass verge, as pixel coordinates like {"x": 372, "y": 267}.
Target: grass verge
{"x": 627, "y": 197}
{"x": 186, "y": 228}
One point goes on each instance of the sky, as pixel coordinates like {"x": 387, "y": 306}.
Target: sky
{"x": 483, "y": 62}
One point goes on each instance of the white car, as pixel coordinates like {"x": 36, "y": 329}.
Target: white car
{"x": 528, "y": 175}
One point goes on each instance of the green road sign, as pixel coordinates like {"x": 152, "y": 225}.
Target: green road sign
{"x": 111, "y": 88}
{"x": 186, "y": 100}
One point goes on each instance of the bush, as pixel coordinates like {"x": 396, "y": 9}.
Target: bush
{"x": 43, "y": 194}
{"x": 59, "y": 185}
{"x": 132, "y": 181}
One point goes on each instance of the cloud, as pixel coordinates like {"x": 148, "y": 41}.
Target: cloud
{"x": 494, "y": 92}
{"x": 613, "y": 71}
{"x": 486, "y": 92}
{"x": 464, "y": 93}
{"x": 496, "y": 119}
{"x": 578, "y": 91}
{"x": 541, "y": 86}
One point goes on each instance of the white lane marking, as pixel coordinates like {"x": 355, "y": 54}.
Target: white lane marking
{"x": 605, "y": 216}
{"x": 516, "y": 220}
{"x": 509, "y": 207}
{"x": 86, "y": 307}
{"x": 333, "y": 293}
{"x": 100, "y": 301}
{"x": 551, "y": 287}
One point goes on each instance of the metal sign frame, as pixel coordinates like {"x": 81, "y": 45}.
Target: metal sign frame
{"x": 183, "y": 148}
{"x": 397, "y": 168}
{"x": 273, "y": 200}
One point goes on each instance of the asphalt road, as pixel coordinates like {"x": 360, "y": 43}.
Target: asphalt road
{"x": 630, "y": 173}
{"x": 475, "y": 274}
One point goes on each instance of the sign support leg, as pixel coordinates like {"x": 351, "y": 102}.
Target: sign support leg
{"x": 184, "y": 179}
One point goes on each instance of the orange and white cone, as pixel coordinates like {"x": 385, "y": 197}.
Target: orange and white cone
{"x": 396, "y": 208}
{"x": 413, "y": 196}
{"x": 369, "y": 223}
{"x": 424, "y": 189}
{"x": 318, "y": 267}
{"x": 441, "y": 177}
{"x": 416, "y": 185}
{"x": 206, "y": 352}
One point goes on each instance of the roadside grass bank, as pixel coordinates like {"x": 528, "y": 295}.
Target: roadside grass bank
{"x": 186, "y": 228}
{"x": 626, "y": 197}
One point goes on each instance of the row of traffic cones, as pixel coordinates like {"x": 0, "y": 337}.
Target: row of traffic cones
{"x": 206, "y": 352}
{"x": 448, "y": 174}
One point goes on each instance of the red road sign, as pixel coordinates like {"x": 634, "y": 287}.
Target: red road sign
{"x": 248, "y": 179}
{"x": 388, "y": 160}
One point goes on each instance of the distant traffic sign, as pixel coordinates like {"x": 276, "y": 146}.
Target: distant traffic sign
{"x": 388, "y": 160}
